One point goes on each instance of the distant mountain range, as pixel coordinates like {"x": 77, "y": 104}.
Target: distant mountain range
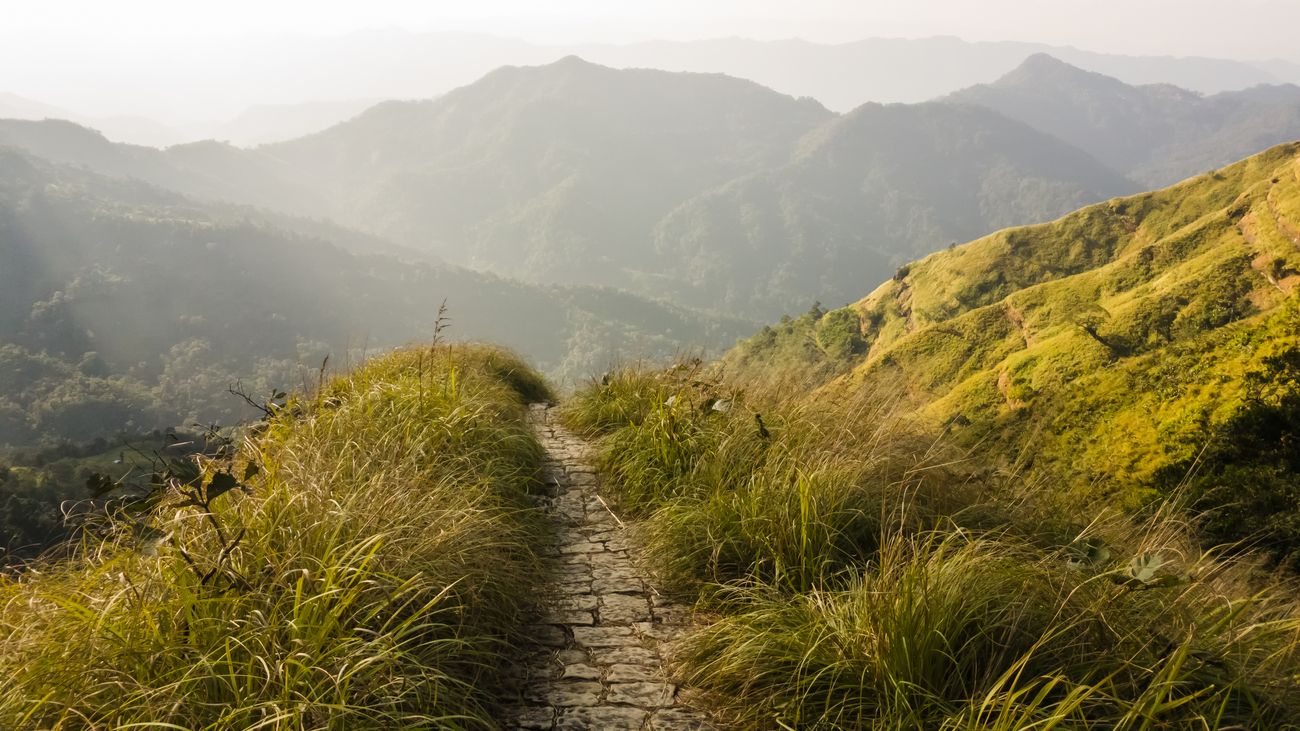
{"x": 862, "y": 194}
{"x": 126, "y": 306}
{"x": 1156, "y": 134}
{"x": 254, "y": 126}
{"x": 577, "y": 173}
{"x": 400, "y": 65}
{"x": 846, "y": 75}
{"x": 706, "y": 190}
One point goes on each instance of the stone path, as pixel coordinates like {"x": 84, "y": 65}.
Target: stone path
{"x": 597, "y": 662}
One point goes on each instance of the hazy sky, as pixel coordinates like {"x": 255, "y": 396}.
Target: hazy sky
{"x": 188, "y": 60}
{"x": 1250, "y": 29}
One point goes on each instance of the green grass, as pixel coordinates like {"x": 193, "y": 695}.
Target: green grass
{"x": 386, "y": 562}
{"x": 1103, "y": 352}
{"x": 851, "y": 570}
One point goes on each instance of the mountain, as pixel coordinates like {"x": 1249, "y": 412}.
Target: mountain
{"x": 579, "y": 173}
{"x": 1155, "y": 134}
{"x": 552, "y": 173}
{"x": 265, "y": 123}
{"x": 13, "y": 106}
{"x": 846, "y": 75}
{"x": 217, "y": 80}
{"x": 865, "y": 193}
{"x": 122, "y": 128}
{"x": 1113, "y": 351}
{"x": 210, "y": 170}
{"x": 125, "y": 306}
{"x": 670, "y": 185}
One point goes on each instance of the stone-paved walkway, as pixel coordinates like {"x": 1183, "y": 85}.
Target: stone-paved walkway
{"x": 596, "y": 663}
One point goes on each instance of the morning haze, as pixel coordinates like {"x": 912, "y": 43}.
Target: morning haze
{"x": 663, "y": 366}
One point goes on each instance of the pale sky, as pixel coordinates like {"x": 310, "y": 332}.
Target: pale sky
{"x": 179, "y": 60}
{"x": 1247, "y": 29}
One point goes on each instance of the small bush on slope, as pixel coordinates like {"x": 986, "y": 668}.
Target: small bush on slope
{"x": 385, "y": 560}
{"x": 856, "y": 576}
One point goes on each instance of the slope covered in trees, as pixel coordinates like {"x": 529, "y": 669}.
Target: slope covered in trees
{"x": 126, "y": 307}
{"x": 865, "y": 193}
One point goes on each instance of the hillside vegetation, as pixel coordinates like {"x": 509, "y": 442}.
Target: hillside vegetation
{"x": 125, "y": 308}
{"x": 362, "y": 559}
{"x": 1115, "y": 349}
{"x": 851, "y": 570}
{"x": 864, "y": 193}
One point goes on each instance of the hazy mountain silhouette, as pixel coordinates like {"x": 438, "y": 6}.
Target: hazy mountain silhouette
{"x": 865, "y": 193}
{"x": 661, "y": 183}
{"x": 133, "y": 275}
{"x": 1156, "y": 134}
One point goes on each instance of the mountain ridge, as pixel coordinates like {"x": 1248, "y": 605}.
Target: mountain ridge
{"x": 1156, "y": 134}
{"x": 123, "y": 305}
{"x": 1112, "y": 345}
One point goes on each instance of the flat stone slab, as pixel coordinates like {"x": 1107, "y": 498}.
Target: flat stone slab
{"x": 560, "y": 693}
{"x": 630, "y": 673}
{"x": 603, "y": 718}
{"x": 618, "y": 586}
{"x": 624, "y": 609}
{"x": 642, "y": 694}
{"x": 630, "y": 655}
{"x": 574, "y": 618}
{"x": 603, "y": 636}
{"x": 532, "y": 717}
{"x": 579, "y": 671}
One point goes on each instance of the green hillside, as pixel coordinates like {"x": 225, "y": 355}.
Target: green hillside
{"x": 1110, "y": 348}
{"x": 854, "y": 568}
{"x": 364, "y": 559}
{"x": 1156, "y": 134}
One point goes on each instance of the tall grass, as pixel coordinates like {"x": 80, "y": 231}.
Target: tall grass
{"x": 857, "y": 573}
{"x": 385, "y": 563}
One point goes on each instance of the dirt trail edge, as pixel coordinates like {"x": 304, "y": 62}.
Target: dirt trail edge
{"x": 596, "y": 661}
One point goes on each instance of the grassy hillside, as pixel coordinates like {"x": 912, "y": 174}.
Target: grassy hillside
{"x": 1157, "y": 134}
{"x": 361, "y": 560}
{"x": 851, "y": 569}
{"x": 1110, "y": 349}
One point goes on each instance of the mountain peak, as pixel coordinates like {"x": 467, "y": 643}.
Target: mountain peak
{"x": 573, "y": 63}
{"x": 1046, "y": 68}
{"x": 1043, "y": 60}
{"x": 572, "y": 60}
